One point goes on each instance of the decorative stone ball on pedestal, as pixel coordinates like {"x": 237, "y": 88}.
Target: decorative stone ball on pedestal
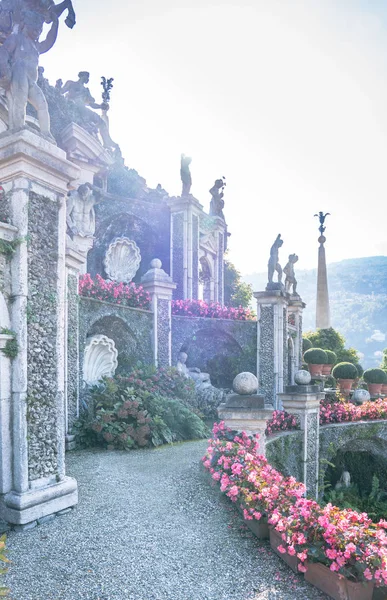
{"x": 302, "y": 377}
{"x": 245, "y": 384}
{"x": 359, "y": 396}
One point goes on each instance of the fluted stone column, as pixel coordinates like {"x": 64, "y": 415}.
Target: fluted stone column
{"x": 160, "y": 287}
{"x": 36, "y": 176}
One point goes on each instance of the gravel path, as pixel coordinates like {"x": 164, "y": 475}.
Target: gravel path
{"x": 149, "y": 526}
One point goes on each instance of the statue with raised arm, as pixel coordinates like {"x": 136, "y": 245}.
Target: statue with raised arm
{"x": 273, "y": 264}
{"x": 185, "y": 175}
{"x": 217, "y": 202}
{"x": 80, "y": 211}
{"x": 290, "y": 278}
{"x": 77, "y": 92}
{"x": 19, "y": 59}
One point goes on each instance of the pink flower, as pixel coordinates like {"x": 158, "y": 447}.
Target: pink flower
{"x": 367, "y": 574}
{"x": 281, "y": 549}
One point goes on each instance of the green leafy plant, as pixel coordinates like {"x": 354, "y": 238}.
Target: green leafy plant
{"x": 331, "y": 339}
{"x": 375, "y": 376}
{"x": 344, "y": 370}
{"x": 360, "y": 369}
{"x": 11, "y": 348}
{"x": 306, "y": 344}
{"x": 315, "y": 356}
{"x": 331, "y": 357}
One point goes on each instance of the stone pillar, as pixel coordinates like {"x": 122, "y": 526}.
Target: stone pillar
{"x": 185, "y": 214}
{"x": 220, "y": 232}
{"x": 295, "y": 308}
{"x": 323, "y": 315}
{"x": 160, "y": 286}
{"x": 36, "y": 176}
{"x": 75, "y": 265}
{"x": 272, "y": 343}
{"x": 303, "y": 401}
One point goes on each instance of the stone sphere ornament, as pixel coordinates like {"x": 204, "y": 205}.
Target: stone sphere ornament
{"x": 359, "y": 396}
{"x": 245, "y": 384}
{"x": 302, "y": 377}
{"x": 156, "y": 263}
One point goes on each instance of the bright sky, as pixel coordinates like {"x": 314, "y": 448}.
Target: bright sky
{"x": 286, "y": 99}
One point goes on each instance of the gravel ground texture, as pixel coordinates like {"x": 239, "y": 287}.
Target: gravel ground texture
{"x": 149, "y": 526}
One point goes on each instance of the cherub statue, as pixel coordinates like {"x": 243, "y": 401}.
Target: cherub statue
{"x": 290, "y": 279}
{"x": 273, "y": 264}
{"x": 217, "y": 202}
{"x": 80, "y": 211}
{"x": 77, "y": 92}
{"x": 185, "y": 175}
{"x": 19, "y": 59}
{"x": 344, "y": 481}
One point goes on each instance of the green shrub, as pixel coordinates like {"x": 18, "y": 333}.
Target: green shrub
{"x": 164, "y": 381}
{"x": 331, "y": 357}
{"x": 344, "y": 370}
{"x": 315, "y": 356}
{"x": 360, "y": 369}
{"x": 375, "y": 376}
{"x": 306, "y": 344}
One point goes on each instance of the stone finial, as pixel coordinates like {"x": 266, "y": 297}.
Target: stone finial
{"x": 245, "y": 384}
{"x": 157, "y": 275}
{"x": 156, "y": 263}
{"x": 302, "y": 377}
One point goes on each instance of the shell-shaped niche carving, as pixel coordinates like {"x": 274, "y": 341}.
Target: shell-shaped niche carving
{"x": 99, "y": 360}
{"x": 122, "y": 260}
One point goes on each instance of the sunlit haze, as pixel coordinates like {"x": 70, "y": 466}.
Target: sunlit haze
{"x": 287, "y": 100}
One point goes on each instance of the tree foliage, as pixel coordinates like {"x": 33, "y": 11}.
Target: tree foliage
{"x": 331, "y": 339}
{"x": 236, "y": 292}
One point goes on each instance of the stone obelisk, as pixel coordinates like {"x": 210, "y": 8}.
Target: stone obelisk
{"x": 323, "y": 317}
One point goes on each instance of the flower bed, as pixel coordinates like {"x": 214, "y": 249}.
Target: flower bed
{"x": 110, "y": 291}
{"x": 214, "y": 310}
{"x": 341, "y": 412}
{"x": 281, "y": 421}
{"x": 345, "y": 541}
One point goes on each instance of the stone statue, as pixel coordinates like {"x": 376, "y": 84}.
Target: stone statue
{"x": 217, "y": 202}
{"x": 80, "y": 211}
{"x": 12, "y": 13}
{"x": 193, "y": 372}
{"x": 344, "y": 481}
{"x": 273, "y": 264}
{"x": 77, "y": 92}
{"x": 208, "y": 397}
{"x": 185, "y": 175}
{"x": 322, "y": 218}
{"x": 19, "y": 59}
{"x": 290, "y": 279}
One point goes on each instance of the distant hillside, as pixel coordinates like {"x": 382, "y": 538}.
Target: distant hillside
{"x": 358, "y": 298}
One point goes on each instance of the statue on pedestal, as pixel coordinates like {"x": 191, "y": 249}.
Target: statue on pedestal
{"x": 290, "y": 279}
{"x": 19, "y": 59}
{"x": 217, "y": 202}
{"x": 77, "y": 92}
{"x": 273, "y": 264}
{"x": 80, "y": 212}
{"x": 185, "y": 175}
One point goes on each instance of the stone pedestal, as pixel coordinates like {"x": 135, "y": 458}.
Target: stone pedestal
{"x": 160, "y": 286}
{"x": 36, "y": 176}
{"x": 294, "y": 316}
{"x": 220, "y": 233}
{"x": 272, "y": 342}
{"x": 303, "y": 401}
{"x": 185, "y": 214}
{"x": 246, "y": 413}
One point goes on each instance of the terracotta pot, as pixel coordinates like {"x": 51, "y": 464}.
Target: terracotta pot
{"x": 384, "y": 389}
{"x": 337, "y": 586}
{"x": 327, "y": 369}
{"x": 375, "y": 388}
{"x": 315, "y": 370}
{"x": 345, "y": 385}
{"x": 259, "y": 528}
{"x": 275, "y": 541}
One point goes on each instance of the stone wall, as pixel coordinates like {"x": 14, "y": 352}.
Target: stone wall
{"x": 284, "y": 453}
{"x": 210, "y": 341}
{"x": 72, "y": 350}
{"x": 42, "y": 336}
{"x": 266, "y": 342}
{"x": 130, "y": 328}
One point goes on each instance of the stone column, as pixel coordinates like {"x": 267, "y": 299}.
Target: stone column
{"x": 295, "y": 308}
{"x": 271, "y": 343}
{"x": 36, "y": 176}
{"x": 323, "y": 315}
{"x": 185, "y": 213}
{"x": 75, "y": 265}
{"x": 303, "y": 401}
{"x": 160, "y": 286}
{"x": 220, "y": 232}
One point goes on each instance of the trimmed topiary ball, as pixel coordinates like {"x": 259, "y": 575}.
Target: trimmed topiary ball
{"x": 306, "y": 344}
{"x": 332, "y": 357}
{"x": 375, "y": 376}
{"x": 344, "y": 370}
{"x": 315, "y": 356}
{"x": 360, "y": 369}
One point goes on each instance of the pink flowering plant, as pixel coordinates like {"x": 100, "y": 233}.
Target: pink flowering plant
{"x": 213, "y": 310}
{"x": 346, "y": 541}
{"x": 110, "y": 291}
{"x": 341, "y": 412}
{"x": 281, "y": 421}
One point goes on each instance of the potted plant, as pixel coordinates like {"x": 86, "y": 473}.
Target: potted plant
{"x": 345, "y": 373}
{"x": 315, "y": 359}
{"x": 306, "y": 344}
{"x": 331, "y": 358}
{"x": 375, "y": 378}
{"x": 384, "y": 386}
